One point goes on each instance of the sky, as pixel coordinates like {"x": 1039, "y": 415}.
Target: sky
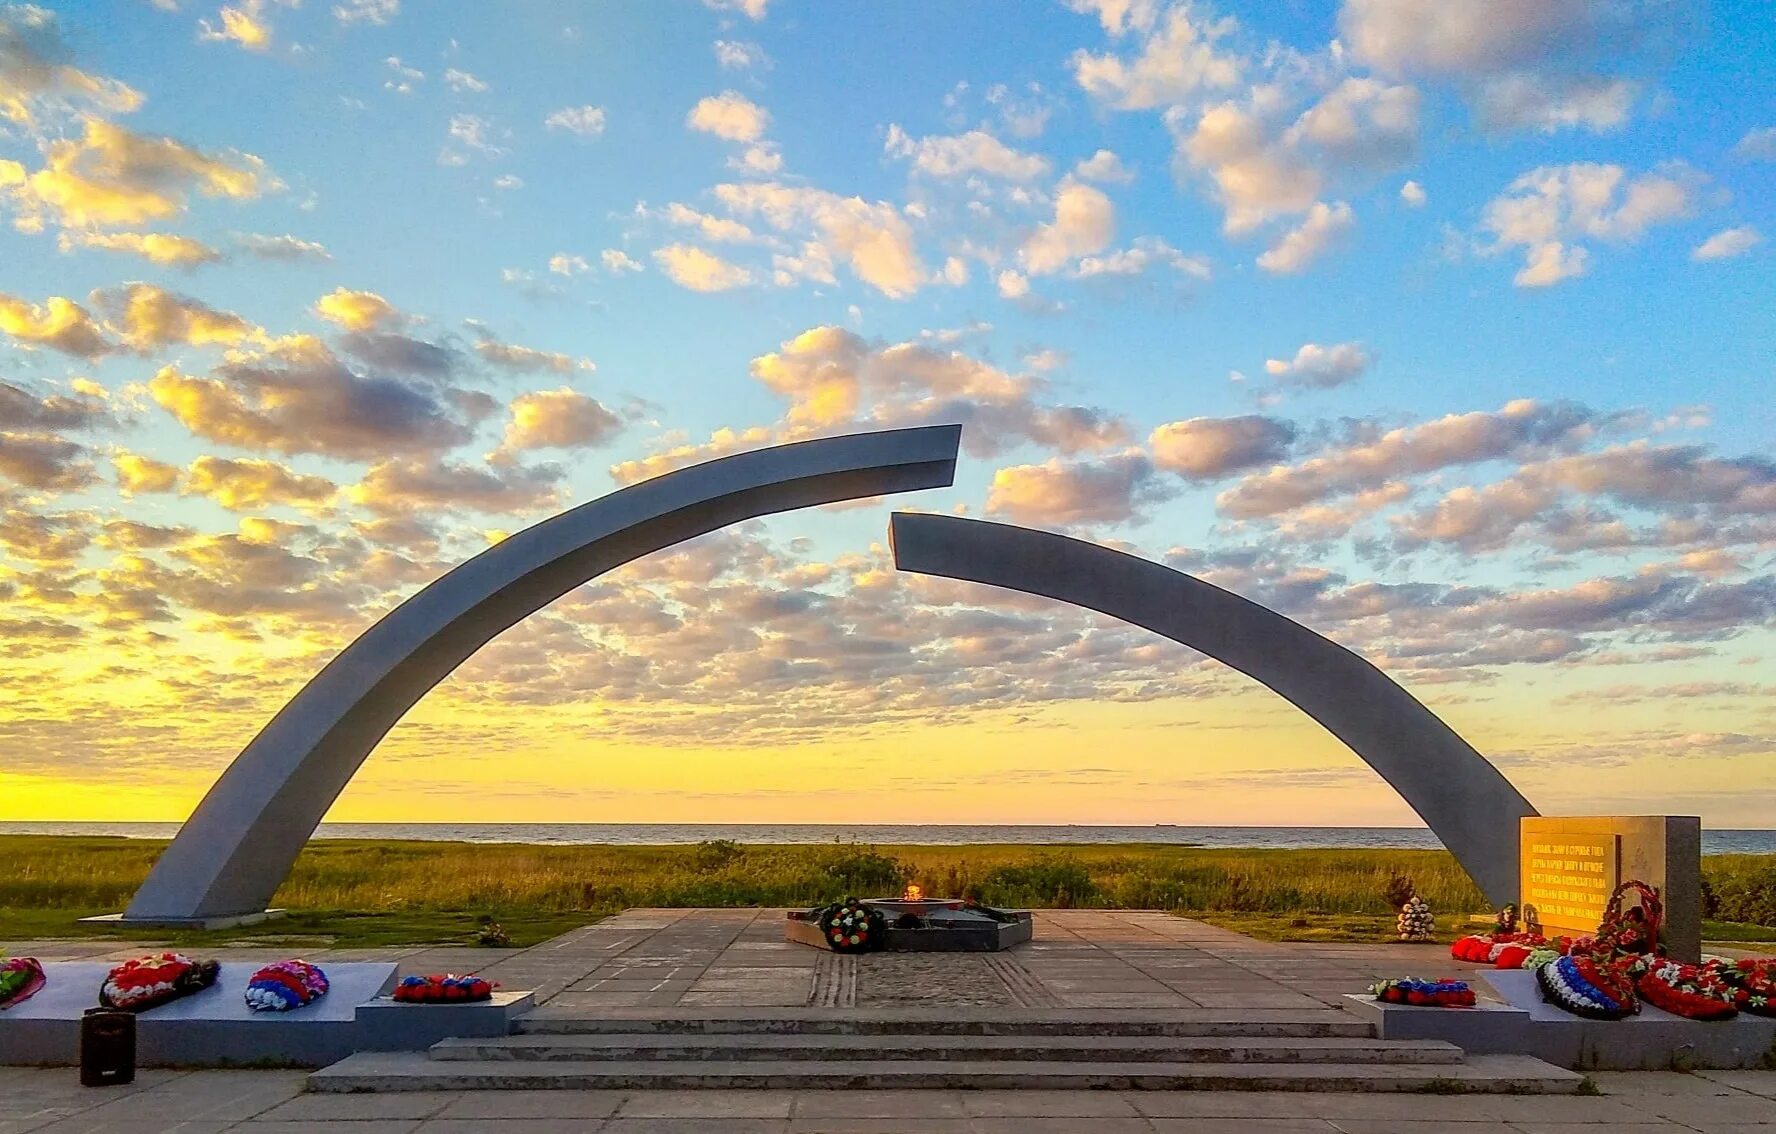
{"x": 1444, "y": 329}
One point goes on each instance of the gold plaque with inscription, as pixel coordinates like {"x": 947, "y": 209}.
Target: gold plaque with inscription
{"x": 1567, "y": 879}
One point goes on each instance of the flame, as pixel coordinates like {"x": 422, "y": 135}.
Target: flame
{"x": 913, "y": 893}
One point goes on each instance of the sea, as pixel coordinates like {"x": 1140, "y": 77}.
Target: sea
{"x": 1714, "y": 841}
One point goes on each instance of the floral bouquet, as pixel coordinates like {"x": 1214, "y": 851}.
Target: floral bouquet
{"x": 1750, "y": 984}
{"x": 1588, "y": 986}
{"x": 147, "y": 982}
{"x": 852, "y": 927}
{"x": 20, "y": 978}
{"x": 443, "y": 988}
{"x": 1416, "y": 922}
{"x": 1500, "y": 950}
{"x": 1426, "y": 993}
{"x": 1691, "y": 991}
{"x": 283, "y": 985}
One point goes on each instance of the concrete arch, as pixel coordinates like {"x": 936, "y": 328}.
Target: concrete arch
{"x": 238, "y": 846}
{"x": 1466, "y": 801}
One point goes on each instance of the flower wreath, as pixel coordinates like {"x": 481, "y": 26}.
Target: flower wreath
{"x": 852, "y": 927}
{"x": 1691, "y": 991}
{"x": 1750, "y": 983}
{"x": 147, "y": 982}
{"x": 1427, "y": 993}
{"x": 1586, "y": 986}
{"x": 1630, "y": 931}
{"x": 1500, "y": 950}
{"x": 283, "y": 985}
{"x": 20, "y": 978}
{"x": 444, "y": 988}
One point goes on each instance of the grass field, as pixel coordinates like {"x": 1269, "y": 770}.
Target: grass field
{"x": 376, "y": 892}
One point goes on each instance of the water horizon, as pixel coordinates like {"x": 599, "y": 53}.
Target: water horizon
{"x": 1714, "y": 840}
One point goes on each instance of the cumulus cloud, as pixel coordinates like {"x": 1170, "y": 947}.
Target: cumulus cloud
{"x": 1324, "y": 228}
{"x": 1526, "y": 64}
{"x": 1320, "y": 367}
{"x": 149, "y": 317}
{"x": 1144, "y": 255}
{"x": 1256, "y": 174}
{"x": 249, "y": 484}
{"x": 1758, "y": 144}
{"x": 616, "y": 261}
{"x": 462, "y": 82}
{"x": 1362, "y": 122}
{"x": 109, "y": 177}
{"x": 1412, "y": 195}
{"x": 1728, "y": 243}
{"x": 556, "y": 419}
{"x": 691, "y": 267}
{"x": 1549, "y": 209}
{"x": 961, "y": 155}
{"x": 45, "y": 461}
{"x": 586, "y": 121}
{"x": 874, "y": 238}
{"x": 738, "y": 55}
{"x": 21, "y": 409}
{"x": 730, "y": 116}
{"x": 527, "y": 360}
{"x": 1177, "y": 58}
{"x": 1210, "y": 448}
{"x": 752, "y": 9}
{"x": 1520, "y": 428}
{"x": 243, "y": 24}
{"x": 1102, "y": 490}
{"x": 163, "y": 248}
{"x": 401, "y": 487}
{"x": 138, "y": 474}
{"x": 1084, "y": 223}
{"x": 1104, "y": 166}
{"x": 377, "y": 13}
{"x": 58, "y": 323}
{"x": 37, "y": 72}
{"x": 285, "y": 248}
{"x": 356, "y": 310}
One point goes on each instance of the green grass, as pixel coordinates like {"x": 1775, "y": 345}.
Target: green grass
{"x": 377, "y": 892}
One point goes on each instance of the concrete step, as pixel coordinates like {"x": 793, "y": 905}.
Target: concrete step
{"x": 1253, "y": 1023}
{"x": 931, "y": 1048}
{"x": 407, "y": 1071}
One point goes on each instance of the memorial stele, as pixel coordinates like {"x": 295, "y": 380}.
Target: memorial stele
{"x": 1569, "y": 866}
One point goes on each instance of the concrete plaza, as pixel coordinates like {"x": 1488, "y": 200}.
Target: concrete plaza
{"x": 708, "y": 961}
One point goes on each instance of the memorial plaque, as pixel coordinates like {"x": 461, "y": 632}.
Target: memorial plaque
{"x": 1567, "y": 879}
{"x": 1568, "y": 866}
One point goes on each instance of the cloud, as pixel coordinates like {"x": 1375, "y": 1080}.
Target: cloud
{"x": 960, "y": 155}
{"x": 462, "y": 82}
{"x": 1758, "y": 144}
{"x": 109, "y": 177}
{"x": 723, "y": 229}
{"x": 156, "y": 247}
{"x": 1256, "y": 175}
{"x": 1177, "y": 60}
{"x": 693, "y": 268}
{"x": 1145, "y": 254}
{"x": 1325, "y": 228}
{"x": 356, "y": 310}
{"x": 243, "y": 24}
{"x": 1524, "y": 64}
{"x": 1549, "y": 209}
{"x": 564, "y": 264}
{"x": 280, "y": 247}
{"x": 1728, "y": 243}
{"x": 59, "y": 323}
{"x": 736, "y": 55}
{"x": 1412, "y": 195}
{"x": 752, "y": 9}
{"x": 138, "y": 474}
{"x": 1362, "y": 123}
{"x": 527, "y": 360}
{"x": 473, "y": 132}
{"x": 1084, "y": 223}
{"x": 250, "y": 484}
{"x": 151, "y": 317}
{"x": 404, "y": 77}
{"x": 37, "y": 72}
{"x": 558, "y": 419}
{"x": 21, "y": 409}
{"x": 397, "y": 488}
{"x": 874, "y": 238}
{"x": 44, "y": 461}
{"x": 1209, "y": 448}
{"x": 1104, "y": 166}
{"x": 616, "y": 261}
{"x": 1320, "y": 367}
{"x": 378, "y": 13}
{"x": 729, "y": 115}
{"x": 1371, "y": 459}
{"x": 586, "y": 121}
{"x": 1103, "y": 490}
{"x": 314, "y": 403}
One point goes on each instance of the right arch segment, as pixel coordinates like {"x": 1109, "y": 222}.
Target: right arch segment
{"x": 1464, "y": 800}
